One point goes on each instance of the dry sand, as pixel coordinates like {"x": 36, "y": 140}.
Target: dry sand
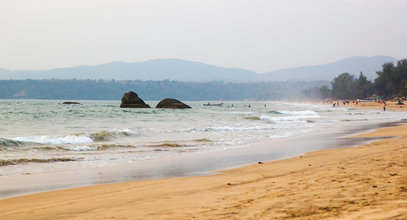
{"x": 365, "y": 182}
{"x": 379, "y": 106}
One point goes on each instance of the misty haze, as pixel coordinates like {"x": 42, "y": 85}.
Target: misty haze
{"x": 203, "y": 109}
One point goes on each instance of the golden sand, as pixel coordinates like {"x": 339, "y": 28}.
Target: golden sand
{"x": 379, "y": 106}
{"x": 365, "y": 182}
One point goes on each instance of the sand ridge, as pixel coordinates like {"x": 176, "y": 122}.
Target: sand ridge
{"x": 364, "y": 182}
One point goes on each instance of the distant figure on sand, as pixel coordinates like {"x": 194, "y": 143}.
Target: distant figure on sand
{"x": 333, "y": 105}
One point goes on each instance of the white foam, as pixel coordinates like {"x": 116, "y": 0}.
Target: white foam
{"x": 124, "y": 131}
{"x": 289, "y": 119}
{"x": 305, "y": 112}
{"x": 80, "y": 148}
{"x": 70, "y": 139}
{"x": 240, "y": 112}
{"x": 228, "y": 128}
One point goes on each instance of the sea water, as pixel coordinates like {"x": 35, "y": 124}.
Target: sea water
{"x": 44, "y": 136}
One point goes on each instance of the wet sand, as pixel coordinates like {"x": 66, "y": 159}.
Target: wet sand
{"x": 363, "y": 182}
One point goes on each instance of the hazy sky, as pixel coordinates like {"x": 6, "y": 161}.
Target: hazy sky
{"x": 259, "y": 35}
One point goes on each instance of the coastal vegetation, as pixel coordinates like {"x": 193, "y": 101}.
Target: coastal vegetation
{"x": 152, "y": 90}
{"x": 390, "y": 82}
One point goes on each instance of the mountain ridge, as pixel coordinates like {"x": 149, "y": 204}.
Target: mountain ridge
{"x": 354, "y": 65}
{"x": 193, "y": 71}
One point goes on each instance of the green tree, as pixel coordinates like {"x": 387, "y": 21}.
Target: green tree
{"x": 363, "y": 87}
{"x": 392, "y": 79}
{"x": 324, "y": 92}
{"x": 343, "y": 86}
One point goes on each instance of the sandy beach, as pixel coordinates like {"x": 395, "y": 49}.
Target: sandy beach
{"x": 390, "y": 105}
{"x": 364, "y": 182}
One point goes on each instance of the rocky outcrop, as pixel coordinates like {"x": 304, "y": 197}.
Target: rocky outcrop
{"x": 131, "y": 100}
{"x": 172, "y": 103}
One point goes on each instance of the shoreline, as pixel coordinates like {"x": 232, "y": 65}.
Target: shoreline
{"x": 367, "y": 180}
{"x": 187, "y": 165}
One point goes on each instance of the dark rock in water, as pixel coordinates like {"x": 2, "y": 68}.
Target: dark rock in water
{"x": 131, "y": 100}
{"x": 172, "y": 103}
{"x": 71, "y": 103}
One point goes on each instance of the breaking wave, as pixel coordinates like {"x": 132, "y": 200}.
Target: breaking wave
{"x": 70, "y": 139}
{"x": 82, "y": 147}
{"x": 305, "y": 112}
{"x": 33, "y": 160}
{"x": 292, "y": 116}
{"x": 9, "y": 143}
{"x": 228, "y": 128}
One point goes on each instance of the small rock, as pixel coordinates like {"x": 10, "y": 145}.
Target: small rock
{"x": 172, "y": 103}
{"x": 131, "y": 100}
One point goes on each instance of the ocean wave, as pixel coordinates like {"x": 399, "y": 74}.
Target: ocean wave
{"x": 241, "y": 113}
{"x": 70, "y": 139}
{"x": 305, "y": 112}
{"x": 9, "y": 143}
{"x": 348, "y": 120}
{"x": 202, "y": 140}
{"x": 81, "y": 147}
{"x": 290, "y": 119}
{"x": 168, "y": 145}
{"x": 33, "y": 160}
{"x": 228, "y": 128}
{"x": 114, "y": 133}
{"x": 253, "y": 118}
{"x": 274, "y": 112}
{"x": 74, "y": 139}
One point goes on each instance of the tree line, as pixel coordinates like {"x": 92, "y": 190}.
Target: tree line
{"x": 390, "y": 82}
{"x": 152, "y": 90}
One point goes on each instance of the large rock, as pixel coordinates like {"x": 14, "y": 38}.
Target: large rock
{"x": 131, "y": 100}
{"x": 172, "y": 103}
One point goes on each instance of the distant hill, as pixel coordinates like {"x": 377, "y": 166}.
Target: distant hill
{"x": 159, "y": 69}
{"x": 188, "y": 71}
{"x": 352, "y": 65}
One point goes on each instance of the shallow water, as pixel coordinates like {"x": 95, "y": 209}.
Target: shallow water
{"x": 45, "y": 136}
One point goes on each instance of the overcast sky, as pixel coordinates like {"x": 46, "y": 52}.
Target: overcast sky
{"x": 260, "y": 35}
